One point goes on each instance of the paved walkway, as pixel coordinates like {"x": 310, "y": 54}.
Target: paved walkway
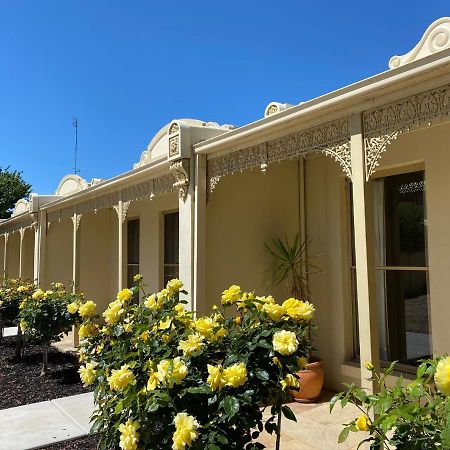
{"x": 31, "y": 426}
{"x": 35, "y": 425}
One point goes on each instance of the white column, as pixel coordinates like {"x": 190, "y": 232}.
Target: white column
{"x": 365, "y": 268}
{"x": 200, "y": 189}
{"x": 121, "y": 210}
{"x": 186, "y": 205}
{"x": 22, "y": 234}
{"x": 4, "y": 254}
{"x": 40, "y": 238}
{"x": 76, "y": 219}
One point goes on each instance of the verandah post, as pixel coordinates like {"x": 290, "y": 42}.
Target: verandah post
{"x": 365, "y": 267}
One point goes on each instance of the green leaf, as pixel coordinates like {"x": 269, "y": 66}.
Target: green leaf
{"x": 343, "y": 435}
{"x": 231, "y": 406}
{"x": 118, "y": 408}
{"x": 262, "y": 375}
{"x": 287, "y": 412}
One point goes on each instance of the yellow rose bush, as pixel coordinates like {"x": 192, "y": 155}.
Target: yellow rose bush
{"x": 412, "y": 415}
{"x": 46, "y": 315}
{"x": 13, "y": 295}
{"x": 166, "y": 378}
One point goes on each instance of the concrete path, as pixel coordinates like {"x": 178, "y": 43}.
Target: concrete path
{"x": 31, "y": 426}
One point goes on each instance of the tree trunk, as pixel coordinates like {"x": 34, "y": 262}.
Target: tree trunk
{"x": 44, "y": 370}
{"x": 19, "y": 343}
{"x": 279, "y": 406}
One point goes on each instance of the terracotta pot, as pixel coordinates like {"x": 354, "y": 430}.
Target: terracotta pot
{"x": 311, "y": 382}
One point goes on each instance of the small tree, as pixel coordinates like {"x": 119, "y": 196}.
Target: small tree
{"x": 46, "y": 316}
{"x": 12, "y": 188}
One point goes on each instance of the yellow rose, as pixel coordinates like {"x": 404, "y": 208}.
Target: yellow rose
{"x": 124, "y": 295}
{"x": 185, "y": 431}
{"x": 362, "y": 423}
{"x": 38, "y": 294}
{"x": 238, "y": 320}
{"x": 154, "y": 302}
{"x": 87, "y": 374}
{"x": 47, "y": 293}
{"x": 220, "y": 333}
{"x": 23, "y": 325}
{"x": 231, "y": 295}
{"x": 153, "y": 381}
{"x": 235, "y": 375}
{"x": 144, "y": 336}
{"x": 205, "y": 326}
{"x": 138, "y": 277}
{"x": 276, "y": 361}
{"x": 72, "y": 307}
{"x": 21, "y": 289}
{"x": 171, "y": 371}
{"x": 121, "y": 378}
{"x": 192, "y": 344}
{"x": 289, "y": 381}
{"x": 113, "y": 312}
{"x": 261, "y": 301}
{"x": 298, "y": 310}
{"x": 174, "y": 285}
{"x": 302, "y": 362}
{"x": 215, "y": 379}
{"x": 274, "y": 311}
{"x": 285, "y": 342}
{"x": 86, "y": 309}
{"x": 442, "y": 376}
{"x": 22, "y": 304}
{"x": 368, "y": 365}
{"x": 129, "y": 437}
{"x": 87, "y": 330}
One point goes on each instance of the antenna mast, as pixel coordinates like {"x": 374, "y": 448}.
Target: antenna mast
{"x": 75, "y": 124}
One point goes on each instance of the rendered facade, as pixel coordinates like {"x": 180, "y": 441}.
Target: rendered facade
{"x": 362, "y": 171}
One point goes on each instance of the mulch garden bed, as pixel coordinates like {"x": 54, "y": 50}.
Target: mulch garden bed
{"x": 84, "y": 443}
{"x": 21, "y": 383}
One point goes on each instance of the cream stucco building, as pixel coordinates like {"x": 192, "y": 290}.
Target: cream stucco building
{"x": 362, "y": 171}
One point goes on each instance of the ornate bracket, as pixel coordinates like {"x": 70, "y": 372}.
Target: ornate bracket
{"x": 384, "y": 124}
{"x": 125, "y": 206}
{"x": 22, "y": 233}
{"x": 180, "y": 170}
{"x": 76, "y": 219}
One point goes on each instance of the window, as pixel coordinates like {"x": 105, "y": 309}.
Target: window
{"x": 132, "y": 250}
{"x": 171, "y": 261}
{"x": 401, "y": 267}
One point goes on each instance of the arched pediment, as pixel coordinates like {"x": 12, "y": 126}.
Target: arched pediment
{"x": 70, "y": 184}
{"x": 21, "y": 206}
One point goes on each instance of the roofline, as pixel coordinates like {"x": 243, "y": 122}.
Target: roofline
{"x": 158, "y": 167}
{"x": 326, "y": 103}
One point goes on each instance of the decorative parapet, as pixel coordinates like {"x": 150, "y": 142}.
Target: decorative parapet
{"x": 435, "y": 39}
{"x": 181, "y": 171}
{"x": 331, "y": 139}
{"x": 385, "y": 123}
{"x": 276, "y": 107}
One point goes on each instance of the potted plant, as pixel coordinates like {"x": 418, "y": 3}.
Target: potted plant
{"x": 292, "y": 267}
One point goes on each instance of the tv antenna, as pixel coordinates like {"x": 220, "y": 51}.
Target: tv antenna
{"x": 75, "y": 124}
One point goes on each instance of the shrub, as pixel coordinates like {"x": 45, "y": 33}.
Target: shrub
{"x": 46, "y": 316}
{"x": 413, "y": 416}
{"x": 165, "y": 379}
{"x": 12, "y": 294}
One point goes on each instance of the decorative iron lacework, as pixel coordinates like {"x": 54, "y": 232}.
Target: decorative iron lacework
{"x": 331, "y": 139}
{"x": 148, "y": 189}
{"x": 11, "y": 228}
{"x": 384, "y": 124}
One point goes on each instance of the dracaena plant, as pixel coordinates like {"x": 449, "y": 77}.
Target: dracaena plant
{"x": 166, "y": 378}
{"x": 412, "y": 415}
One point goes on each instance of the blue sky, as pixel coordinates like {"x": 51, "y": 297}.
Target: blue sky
{"x": 125, "y": 69}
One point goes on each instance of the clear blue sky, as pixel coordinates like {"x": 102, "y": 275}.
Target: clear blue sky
{"x": 126, "y": 68}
